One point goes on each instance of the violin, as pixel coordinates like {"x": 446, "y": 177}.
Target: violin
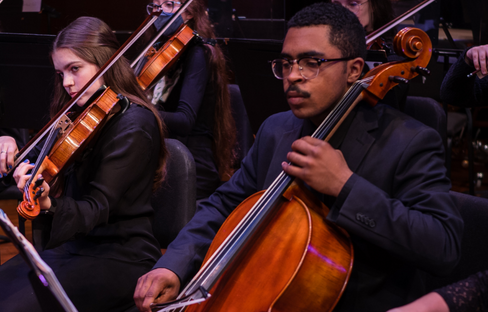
{"x": 74, "y": 136}
{"x": 276, "y": 251}
{"x": 160, "y": 61}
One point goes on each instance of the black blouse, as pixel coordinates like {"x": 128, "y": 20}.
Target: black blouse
{"x": 470, "y": 294}
{"x": 105, "y": 209}
{"x": 189, "y": 116}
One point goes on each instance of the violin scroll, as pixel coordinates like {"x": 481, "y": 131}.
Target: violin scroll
{"x": 29, "y": 209}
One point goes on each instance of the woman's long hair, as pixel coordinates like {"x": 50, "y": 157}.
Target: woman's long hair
{"x": 224, "y": 130}
{"x": 93, "y": 41}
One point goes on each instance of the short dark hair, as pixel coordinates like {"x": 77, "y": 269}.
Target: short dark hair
{"x": 346, "y": 32}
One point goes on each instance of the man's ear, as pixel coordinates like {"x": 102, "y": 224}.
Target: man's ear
{"x": 355, "y": 68}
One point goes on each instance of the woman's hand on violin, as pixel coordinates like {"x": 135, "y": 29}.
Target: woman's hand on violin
{"x": 318, "y": 164}
{"x": 478, "y": 57}
{"x": 157, "y": 286}
{"x": 8, "y": 150}
{"x": 20, "y": 175}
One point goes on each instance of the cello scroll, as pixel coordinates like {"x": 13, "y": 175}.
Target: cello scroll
{"x": 412, "y": 43}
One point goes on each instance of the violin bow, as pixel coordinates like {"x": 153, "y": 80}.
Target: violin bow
{"x": 380, "y": 31}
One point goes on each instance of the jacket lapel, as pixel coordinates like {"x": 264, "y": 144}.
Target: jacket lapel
{"x": 358, "y": 139}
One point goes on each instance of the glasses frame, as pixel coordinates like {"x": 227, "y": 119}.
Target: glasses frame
{"x": 151, "y": 6}
{"x": 320, "y": 61}
{"x": 355, "y": 9}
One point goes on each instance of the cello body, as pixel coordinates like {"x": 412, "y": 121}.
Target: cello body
{"x": 298, "y": 261}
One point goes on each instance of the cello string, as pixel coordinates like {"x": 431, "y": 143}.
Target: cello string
{"x": 276, "y": 189}
{"x": 282, "y": 179}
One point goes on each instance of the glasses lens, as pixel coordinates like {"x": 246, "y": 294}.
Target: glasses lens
{"x": 278, "y": 66}
{"x": 354, "y": 7}
{"x": 309, "y": 67}
{"x": 168, "y": 6}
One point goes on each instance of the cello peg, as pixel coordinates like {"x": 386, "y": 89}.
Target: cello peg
{"x": 422, "y": 71}
{"x": 398, "y": 79}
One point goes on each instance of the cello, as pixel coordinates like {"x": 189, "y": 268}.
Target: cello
{"x": 276, "y": 251}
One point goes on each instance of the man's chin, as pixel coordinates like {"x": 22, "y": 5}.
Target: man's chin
{"x": 300, "y": 113}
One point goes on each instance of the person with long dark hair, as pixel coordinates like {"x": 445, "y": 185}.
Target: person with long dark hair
{"x": 101, "y": 237}
{"x": 194, "y": 101}
{"x": 372, "y": 14}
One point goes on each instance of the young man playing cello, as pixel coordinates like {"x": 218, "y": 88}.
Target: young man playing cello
{"x": 382, "y": 174}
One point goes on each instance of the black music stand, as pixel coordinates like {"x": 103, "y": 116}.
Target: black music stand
{"x": 48, "y": 290}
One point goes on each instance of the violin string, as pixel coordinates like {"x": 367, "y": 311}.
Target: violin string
{"x": 103, "y": 70}
{"x": 37, "y": 165}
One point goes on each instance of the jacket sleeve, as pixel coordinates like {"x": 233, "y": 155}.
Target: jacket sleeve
{"x": 121, "y": 171}
{"x": 459, "y": 90}
{"x": 185, "y": 254}
{"x": 417, "y": 219}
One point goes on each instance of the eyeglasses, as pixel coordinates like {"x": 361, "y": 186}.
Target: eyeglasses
{"x": 353, "y": 6}
{"x": 308, "y": 66}
{"x": 165, "y": 7}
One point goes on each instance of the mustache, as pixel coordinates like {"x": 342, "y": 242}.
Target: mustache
{"x": 296, "y": 89}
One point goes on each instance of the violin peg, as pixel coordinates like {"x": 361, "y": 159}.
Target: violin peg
{"x": 398, "y": 79}
{"x": 38, "y": 183}
{"x": 421, "y": 71}
{"x": 39, "y": 193}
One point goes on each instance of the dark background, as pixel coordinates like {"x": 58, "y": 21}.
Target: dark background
{"x": 253, "y": 30}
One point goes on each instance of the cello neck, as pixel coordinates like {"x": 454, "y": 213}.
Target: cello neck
{"x": 264, "y": 207}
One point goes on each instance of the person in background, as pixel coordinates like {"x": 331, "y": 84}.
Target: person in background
{"x": 194, "y": 101}
{"x": 460, "y": 90}
{"x": 372, "y": 14}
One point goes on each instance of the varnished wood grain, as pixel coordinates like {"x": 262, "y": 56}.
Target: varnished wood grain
{"x": 8, "y": 250}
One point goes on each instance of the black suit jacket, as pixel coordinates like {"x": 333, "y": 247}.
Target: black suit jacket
{"x": 396, "y": 206}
